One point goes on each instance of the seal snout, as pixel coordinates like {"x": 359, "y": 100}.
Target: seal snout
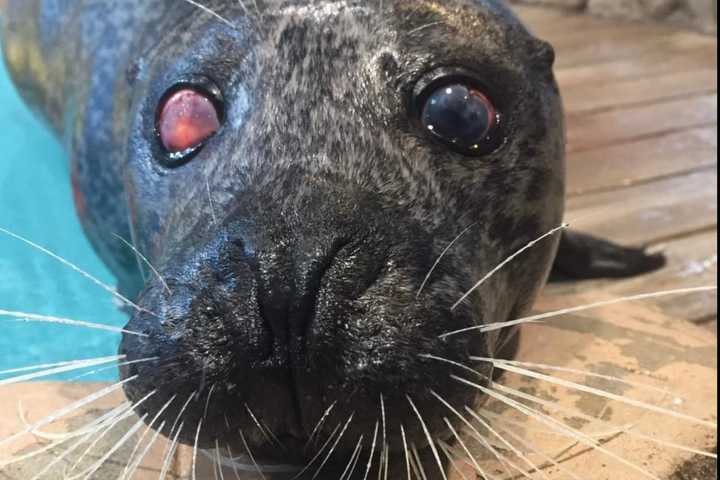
{"x": 276, "y": 320}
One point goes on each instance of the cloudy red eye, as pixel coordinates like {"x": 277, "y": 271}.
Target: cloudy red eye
{"x": 186, "y": 119}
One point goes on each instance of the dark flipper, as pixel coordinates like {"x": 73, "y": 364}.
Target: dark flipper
{"x": 582, "y": 256}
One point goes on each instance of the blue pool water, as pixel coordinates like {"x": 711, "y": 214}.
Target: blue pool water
{"x": 36, "y": 202}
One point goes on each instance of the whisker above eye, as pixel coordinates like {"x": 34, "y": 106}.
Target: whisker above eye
{"x": 212, "y": 12}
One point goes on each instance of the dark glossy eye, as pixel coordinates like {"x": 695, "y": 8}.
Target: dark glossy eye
{"x": 187, "y": 117}
{"x": 460, "y": 115}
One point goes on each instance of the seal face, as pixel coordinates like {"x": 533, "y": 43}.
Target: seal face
{"x": 293, "y": 173}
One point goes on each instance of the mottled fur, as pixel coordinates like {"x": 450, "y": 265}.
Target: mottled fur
{"x": 331, "y": 204}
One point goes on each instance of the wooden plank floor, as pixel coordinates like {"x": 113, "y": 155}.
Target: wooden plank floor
{"x": 641, "y": 103}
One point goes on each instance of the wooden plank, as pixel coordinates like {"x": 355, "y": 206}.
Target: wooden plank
{"x": 604, "y": 94}
{"x": 646, "y": 66}
{"x": 649, "y": 212}
{"x": 595, "y": 50}
{"x": 692, "y": 262}
{"x": 610, "y": 127}
{"x": 635, "y": 162}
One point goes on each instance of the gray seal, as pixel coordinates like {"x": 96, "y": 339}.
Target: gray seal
{"x": 293, "y": 169}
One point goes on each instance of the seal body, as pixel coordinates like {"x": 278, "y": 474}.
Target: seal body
{"x": 292, "y": 245}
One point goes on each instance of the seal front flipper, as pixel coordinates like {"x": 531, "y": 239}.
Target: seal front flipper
{"x": 582, "y": 256}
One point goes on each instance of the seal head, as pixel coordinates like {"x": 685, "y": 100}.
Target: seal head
{"x": 352, "y": 145}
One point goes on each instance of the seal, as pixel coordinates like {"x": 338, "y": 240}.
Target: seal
{"x": 292, "y": 170}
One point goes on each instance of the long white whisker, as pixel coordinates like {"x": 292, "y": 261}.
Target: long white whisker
{"x": 509, "y": 445}
{"x": 407, "y": 453}
{"x": 143, "y": 454}
{"x": 429, "y": 438}
{"x": 61, "y": 369}
{"x": 506, "y": 261}
{"x": 252, "y": 457}
{"x": 195, "y": 450}
{"x": 324, "y": 417}
{"x": 469, "y": 455}
{"x": 595, "y": 391}
{"x": 532, "y": 449}
{"x": 332, "y": 449}
{"x": 372, "y": 451}
{"x": 437, "y": 262}
{"x": 209, "y": 11}
{"x": 96, "y": 466}
{"x": 131, "y": 462}
{"x": 420, "y": 469}
{"x": 535, "y": 318}
{"x": 171, "y": 452}
{"x": 589, "y": 418}
{"x": 555, "y": 424}
{"x": 112, "y": 425}
{"x": 68, "y": 409}
{"x": 77, "y": 269}
{"x": 318, "y": 454}
{"x": 446, "y": 450}
{"x": 587, "y": 373}
{"x": 218, "y": 460}
{"x": 34, "y": 317}
{"x": 146, "y": 262}
{"x": 350, "y": 468}
{"x": 478, "y": 436}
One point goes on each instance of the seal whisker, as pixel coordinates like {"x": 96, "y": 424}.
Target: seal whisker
{"x": 170, "y": 453}
{"x": 62, "y": 367}
{"x": 60, "y": 438}
{"x": 428, "y": 436}
{"x": 555, "y": 424}
{"x": 334, "y": 446}
{"x": 233, "y": 464}
{"x": 144, "y": 260}
{"x": 250, "y": 454}
{"x": 212, "y": 204}
{"x": 442, "y": 254}
{"x": 85, "y": 432}
{"x": 320, "y": 422}
{"x": 319, "y": 452}
{"x": 407, "y": 453}
{"x": 34, "y": 317}
{"x": 269, "y": 435}
{"x": 543, "y": 366}
{"x": 77, "y": 269}
{"x": 476, "y": 435}
{"x": 210, "y": 11}
{"x": 56, "y": 364}
{"x": 595, "y": 391}
{"x": 592, "y": 419}
{"x": 465, "y": 448}
{"x": 96, "y": 466}
{"x": 445, "y": 448}
{"x": 127, "y": 472}
{"x": 547, "y": 458}
{"x": 508, "y": 260}
{"x": 68, "y": 409}
{"x": 502, "y": 439}
{"x": 217, "y": 461}
{"x": 350, "y": 468}
{"x": 535, "y": 318}
{"x": 195, "y": 450}
{"x": 103, "y": 429}
{"x": 127, "y": 414}
{"x": 143, "y": 454}
{"x": 372, "y": 451}
{"x": 417, "y": 463}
